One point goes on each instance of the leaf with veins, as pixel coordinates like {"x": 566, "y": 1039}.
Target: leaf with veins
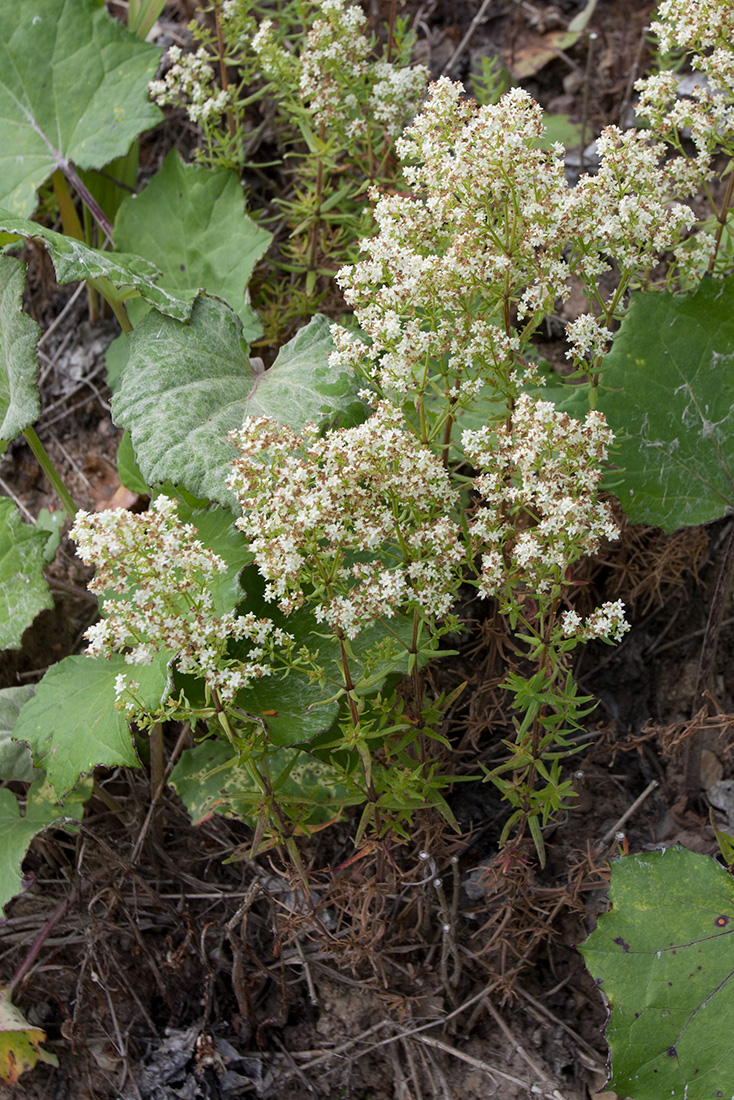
{"x": 73, "y": 89}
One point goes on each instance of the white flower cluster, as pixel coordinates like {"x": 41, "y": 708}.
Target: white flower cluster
{"x": 625, "y": 210}
{"x": 358, "y": 520}
{"x": 153, "y": 579}
{"x": 191, "y": 78}
{"x": 705, "y": 28}
{"x": 587, "y": 338}
{"x": 491, "y": 229}
{"x": 538, "y": 488}
{"x": 335, "y": 76}
{"x": 606, "y": 622}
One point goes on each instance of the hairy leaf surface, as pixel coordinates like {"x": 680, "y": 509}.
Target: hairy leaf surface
{"x": 186, "y": 386}
{"x": 73, "y": 87}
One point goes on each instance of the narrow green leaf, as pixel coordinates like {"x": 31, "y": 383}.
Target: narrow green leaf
{"x": 663, "y": 959}
{"x": 74, "y": 260}
{"x": 72, "y": 725}
{"x": 670, "y": 403}
{"x": 186, "y": 386}
{"x": 16, "y": 832}
{"x": 20, "y": 405}
{"x": 73, "y": 87}
{"x": 23, "y": 588}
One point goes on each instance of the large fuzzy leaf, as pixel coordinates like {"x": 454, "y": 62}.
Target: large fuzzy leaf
{"x": 670, "y": 402}
{"x": 19, "y": 402}
{"x": 23, "y": 588}
{"x": 73, "y": 87}
{"x": 220, "y": 245}
{"x": 72, "y": 725}
{"x": 663, "y": 959}
{"x": 217, "y": 252}
{"x": 186, "y": 386}
{"x": 74, "y": 260}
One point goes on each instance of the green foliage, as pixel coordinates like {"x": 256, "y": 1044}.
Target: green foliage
{"x": 19, "y": 402}
{"x": 217, "y": 252}
{"x": 661, "y": 958}
{"x": 77, "y": 695}
{"x": 74, "y": 260}
{"x": 209, "y": 779}
{"x": 668, "y": 394}
{"x": 187, "y": 386}
{"x": 42, "y": 809}
{"x": 23, "y": 588}
{"x": 16, "y": 762}
{"x": 89, "y": 106}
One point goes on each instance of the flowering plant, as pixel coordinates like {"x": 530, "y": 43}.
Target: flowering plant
{"x": 351, "y": 500}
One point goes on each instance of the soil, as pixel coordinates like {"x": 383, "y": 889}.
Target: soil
{"x": 178, "y": 968}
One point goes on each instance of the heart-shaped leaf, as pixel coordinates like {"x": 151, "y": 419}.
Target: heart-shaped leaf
{"x": 186, "y": 386}
{"x": 664, "y": 961}
{"x": 670, "y": 402}
{"x": 73, "y": 87}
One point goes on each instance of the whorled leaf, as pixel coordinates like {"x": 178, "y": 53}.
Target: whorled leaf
{"x": 73, "y": 87}
{"x": 20, "y": 405}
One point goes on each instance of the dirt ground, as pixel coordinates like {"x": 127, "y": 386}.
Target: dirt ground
{"x": 175, "y": 968}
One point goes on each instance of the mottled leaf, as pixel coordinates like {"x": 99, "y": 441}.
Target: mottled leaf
{"x": 186, "y": 386}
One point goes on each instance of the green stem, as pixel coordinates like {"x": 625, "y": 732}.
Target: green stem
{"x": 50, "y": 471}
{"x": 721, "y": 219}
